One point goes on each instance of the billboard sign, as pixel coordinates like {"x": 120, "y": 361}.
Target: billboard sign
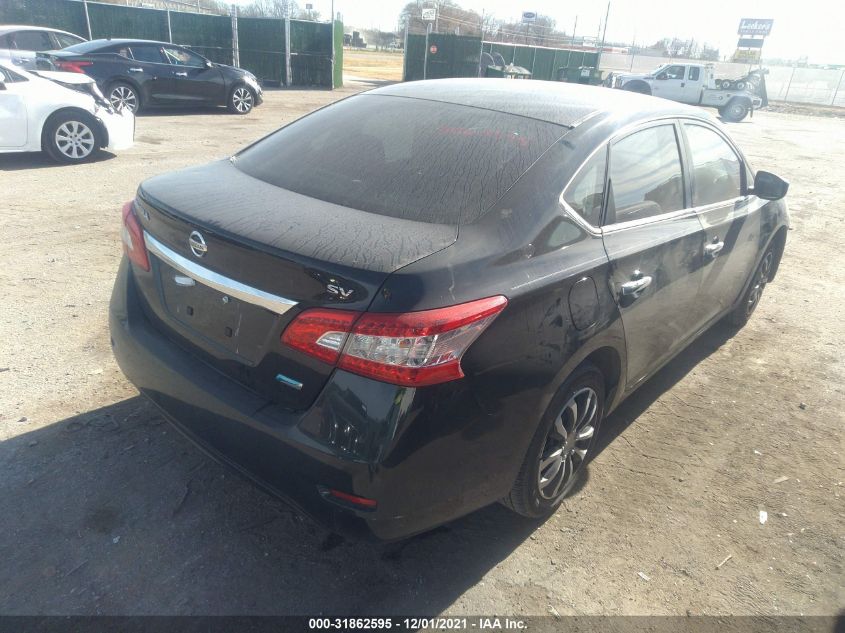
{"x": 753, "y": 26}
{"x": 747, "y": 42}
{"x": 747, "y": 56}
{"x": 429, "y": 15}
{"x": 529, "y": 16}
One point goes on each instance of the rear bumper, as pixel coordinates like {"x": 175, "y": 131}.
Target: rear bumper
{"x": 422, "y": 470}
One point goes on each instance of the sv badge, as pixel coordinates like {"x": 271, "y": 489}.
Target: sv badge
{"x": 339, "y": 291}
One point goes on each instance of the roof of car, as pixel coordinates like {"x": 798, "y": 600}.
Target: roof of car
{"x": 8, "y": 28}
{"x": 562, "y": 103}
{"x": 127, "y": 40}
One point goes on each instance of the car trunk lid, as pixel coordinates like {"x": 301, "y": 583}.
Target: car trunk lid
{"x": 269, "y": 253}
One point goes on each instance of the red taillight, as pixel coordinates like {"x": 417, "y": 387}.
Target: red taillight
{"x": 133, "y": 237}
{"x": 72, "y": 67}
{"x": 361, "y": 502}
{"x": 413, "y": 349}
{"x": 320, "y": 333}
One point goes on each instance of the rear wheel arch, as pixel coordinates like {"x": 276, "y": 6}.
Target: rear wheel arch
{"x": 609, "y": 362}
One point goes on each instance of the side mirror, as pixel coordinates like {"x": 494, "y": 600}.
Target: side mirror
{"x": 769, "y": 187}
{"x": 208, "y": 64}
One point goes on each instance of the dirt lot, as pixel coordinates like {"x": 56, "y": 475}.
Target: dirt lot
{"x": 372, "y": 64}
{"x": 105, "y": 510}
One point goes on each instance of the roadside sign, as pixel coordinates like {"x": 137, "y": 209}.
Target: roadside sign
{"x": 753, "y": 26}
{"x": 308, "y": 7}
{"x": 433, "y": 49}
{"x": 747, "y": 56}
{"x": 529, "y": 16}
{"x": 429, "y": 15}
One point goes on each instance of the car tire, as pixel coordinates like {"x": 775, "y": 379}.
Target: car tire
{"x": 71, "y": 137}
{"x": 751, "y": 299}
{"x": 561, "y": 445}
{"x": 241, "y": 99}
{"x": 124, "y": 95}
{"x": 735, "y": 110}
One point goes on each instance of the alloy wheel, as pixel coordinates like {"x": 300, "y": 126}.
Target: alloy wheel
{"x": 123, "y": 97}
{"x": 75, "y": 139}
{"x": 242, "y": 99}
{"x": 760, "y": 281}
{"x": 567, "y": 443}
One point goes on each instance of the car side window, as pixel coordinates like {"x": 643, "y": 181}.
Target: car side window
{"x": 646, "y": 178}
{"x": 32, "y": 41}
{"x": 11, "y": 77}
{"x": 66, "y": 40}
{"x": 694, "y": 73}
{"x": 181, "y": 57}
{"x": 147, "y": 53}
{"x": 675, "y": 72}
{"x": 716, "y": 169}
{"x": 586, "y": 191}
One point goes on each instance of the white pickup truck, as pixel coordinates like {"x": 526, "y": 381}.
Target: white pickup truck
{"x": 695, "y": 84}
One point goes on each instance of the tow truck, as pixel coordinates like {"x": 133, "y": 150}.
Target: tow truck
{"x": 696, "y": 84}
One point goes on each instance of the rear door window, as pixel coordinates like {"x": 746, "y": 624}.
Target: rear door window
{"x": 694, "y": 73}
{"x": 406, "y": 158}
{"x": 148, "y": 53}
{"x": 646, "y": 178}
{"x": 585, "y": 193}
{"x": 716, "y": 169}
{"x": 64, "y": 40}
{"x": 32, "y": 41}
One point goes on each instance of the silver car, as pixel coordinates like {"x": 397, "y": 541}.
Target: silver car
{"x": 19, "y": 43}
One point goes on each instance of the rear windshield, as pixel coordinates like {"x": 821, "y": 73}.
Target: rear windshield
{"x": 86, "y": 47}
{"x": 405, "y": 158}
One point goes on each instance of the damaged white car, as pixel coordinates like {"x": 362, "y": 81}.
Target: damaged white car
{"x": 63, "y": 114}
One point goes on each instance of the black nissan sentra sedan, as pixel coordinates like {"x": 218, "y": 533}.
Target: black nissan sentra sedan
{"x": 425, "y": 298}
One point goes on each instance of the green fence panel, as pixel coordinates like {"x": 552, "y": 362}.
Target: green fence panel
{"x": 414, "y": 58}
{"x": 112, "y": 20}
{"x": 337, "y": 80}
{"x": 57, "y": 14}
{"x": 544, "y": 64}
{"x": 454, "y": 56}
{"x": 524, "y": 57}
{"x": 261, "y": 46}
{"x": 507, "y": 51}
{"x": 209, "y": 35}
{"x": 310, "y": 53}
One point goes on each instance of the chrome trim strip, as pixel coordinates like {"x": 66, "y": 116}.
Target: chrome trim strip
{"x": 236, "y": 289}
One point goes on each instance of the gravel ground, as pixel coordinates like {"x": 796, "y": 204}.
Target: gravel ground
{"x": 105, "y": 510}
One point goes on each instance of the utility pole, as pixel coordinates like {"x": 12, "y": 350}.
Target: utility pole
{"x": 604, "y": 33}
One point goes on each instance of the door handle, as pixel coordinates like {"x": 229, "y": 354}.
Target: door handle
{"x": 712, "y": 250}
{"x": 635, "y": 287}
{"x": 181, "y": 74}
{"x": 136, "y": 70}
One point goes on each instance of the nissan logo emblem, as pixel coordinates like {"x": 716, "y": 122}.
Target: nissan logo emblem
{"x": 197, "y": 243}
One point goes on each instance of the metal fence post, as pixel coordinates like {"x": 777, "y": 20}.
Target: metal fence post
{"x": 836, "y": 92}
{"x": 405, "y": 52}
{"x": 169, "y": 29}
{"x": 288, "y": 78}
{"x": 425, "y": 59}
{"x": 788, "y": 85}
{"x": 87, "y": 19}
{"x": 236, "y": 56}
